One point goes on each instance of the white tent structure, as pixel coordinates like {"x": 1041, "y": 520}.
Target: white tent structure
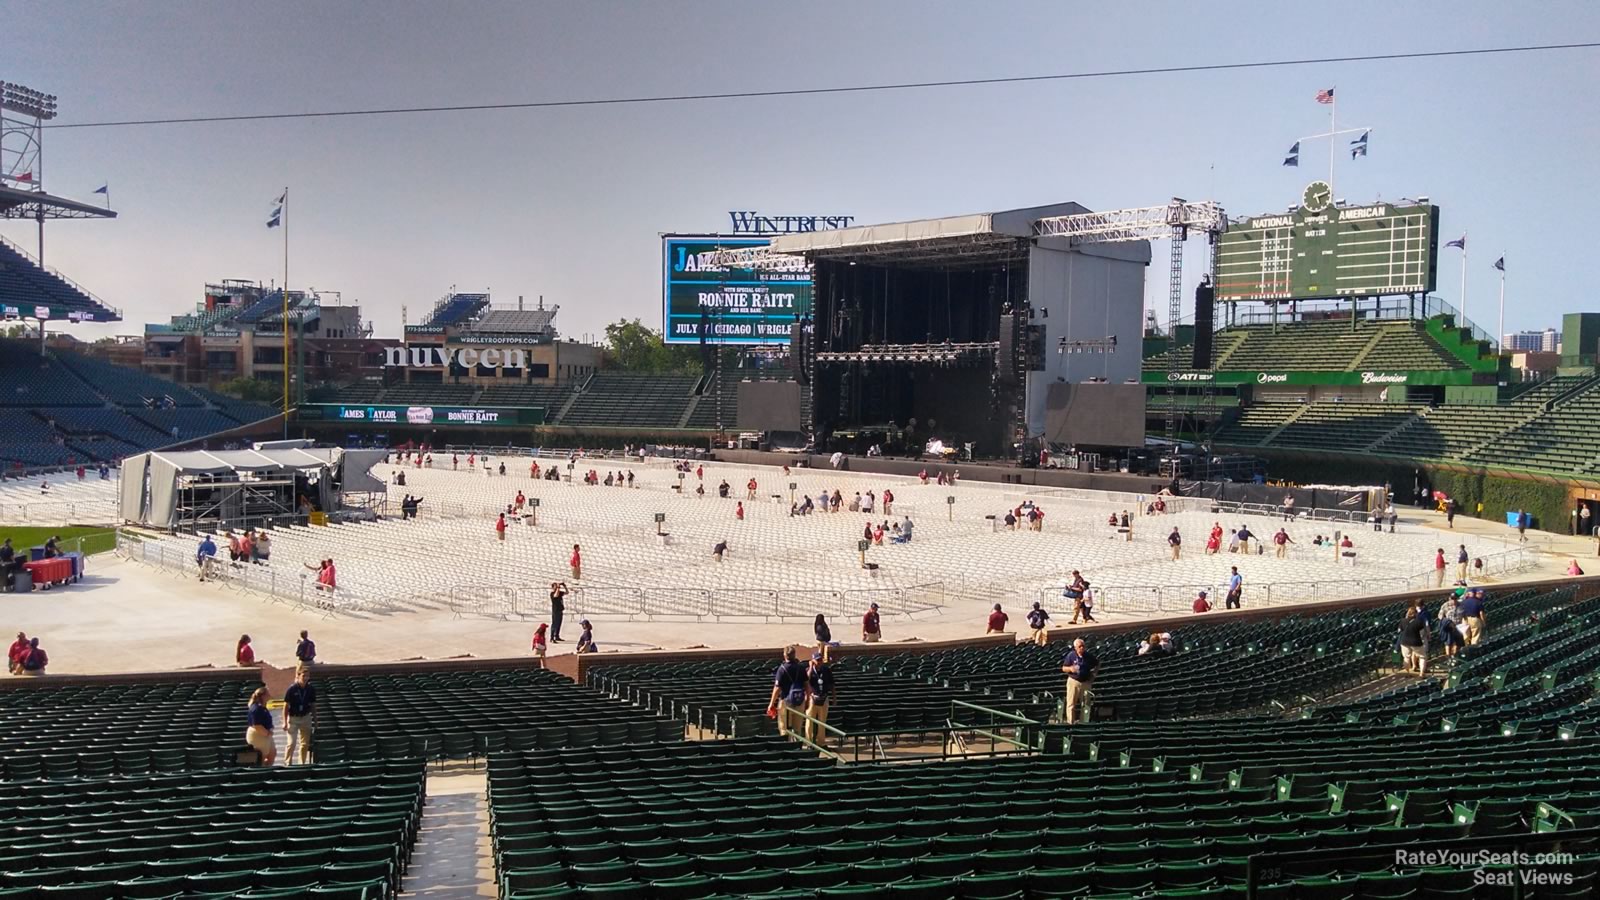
{"x": 209, "y": 488}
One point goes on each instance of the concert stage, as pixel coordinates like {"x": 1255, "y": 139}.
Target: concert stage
{"x": 954, "y": 328}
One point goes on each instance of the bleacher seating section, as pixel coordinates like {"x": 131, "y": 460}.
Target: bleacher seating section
{"x": 455, "y": 308}
{"x": 605, "y": 400}
{"x": 1321, "y": 346}
{"x": 462, "y": 714}
{"x": 66, "y": 407}
{"x": 632, "y": 401}
{"x": 515, "y": 321}
{"x": 1145, "y": 801}
{"x": 1548, "y": 428}
{"x": 552, "y": 398}
{"x": 24, "y": 285}
{"x": 443, "y": 394}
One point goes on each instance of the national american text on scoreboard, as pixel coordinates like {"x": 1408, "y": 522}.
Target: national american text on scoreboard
{"x": 1349, "y": 251}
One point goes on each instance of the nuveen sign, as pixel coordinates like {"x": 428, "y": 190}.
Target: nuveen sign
{"x": 465, "y": 357}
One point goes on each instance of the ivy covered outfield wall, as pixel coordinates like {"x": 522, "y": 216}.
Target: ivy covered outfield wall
{"x": 1548, "y": 503}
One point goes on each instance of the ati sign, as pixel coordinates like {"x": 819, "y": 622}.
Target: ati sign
{"x": 752, "y": 222}
{"x": 465, "y": 357}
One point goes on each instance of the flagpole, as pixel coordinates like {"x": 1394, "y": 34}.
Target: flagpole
{"x": 1333, "y": 127}
{"x": 285, "y": 224}
{"x": 1463, "y": 278}
{"x": 1501, "y": 328}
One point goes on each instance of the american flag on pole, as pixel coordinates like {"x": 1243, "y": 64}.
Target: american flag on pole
{"x": 1325, "y": 95}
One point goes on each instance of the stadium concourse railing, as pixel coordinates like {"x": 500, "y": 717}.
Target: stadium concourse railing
{"x": 501, "y": 601}
{"x": 1144, "y": 599}
{"x": 1353, "y": 516}
{"x": 59, "y": 512}
{"x": 297, "y": 589}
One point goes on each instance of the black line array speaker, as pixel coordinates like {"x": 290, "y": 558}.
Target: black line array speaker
{"x": 1205, "y": 317}
{"x": 800, "y": 351}
{"x": 1011, "y": 337}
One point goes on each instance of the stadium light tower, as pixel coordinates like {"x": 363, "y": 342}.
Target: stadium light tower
{"x": 23, "y": 112}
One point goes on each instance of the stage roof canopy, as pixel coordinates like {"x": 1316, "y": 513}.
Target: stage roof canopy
{"x": 970, "y": 241}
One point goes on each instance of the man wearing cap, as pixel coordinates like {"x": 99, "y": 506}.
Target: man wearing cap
{"x": 1175, "y": 541}
{"x": 819, "y": 693}
{"x": 1079, "y": 665}
{"x": 870, "y": 630}
{"x": 1201, "y": 603}
{"x": 1473, "y": 616}
{"x": 788, "y": 689}
{"x": 1039, "y": 621}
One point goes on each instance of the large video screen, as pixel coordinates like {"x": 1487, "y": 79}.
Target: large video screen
{"x": 731, "y": 306}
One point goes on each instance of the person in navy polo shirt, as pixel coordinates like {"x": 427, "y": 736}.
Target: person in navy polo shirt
{"x": 1079, "y": 665}
{"x": 819, "y": 694}
{"x": 1473, "y": 615}
{"x": 788, "y": 689}
{"x": 299, "y": 701}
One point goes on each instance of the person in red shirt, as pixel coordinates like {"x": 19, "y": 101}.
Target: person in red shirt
{"x": 539, "y": 645}
{"x": 1438, "y": 568}
{"x": 500, "y": 527}
{"x": 576, "y": 562}
{"x": 19, "y": 647}
{"x": 738, "y": 512}
{"x": 888, "y": 498}
{"x": 997, "y": 621}
{"x": 1201, "y": 604}
{"x": 244, "y": 654}
{"x": 750, "y": 489}
{"x": 699, "y": 473}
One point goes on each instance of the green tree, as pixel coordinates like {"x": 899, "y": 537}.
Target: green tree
{"x": 251, "y": 389}
{"x": 636, "y": 347}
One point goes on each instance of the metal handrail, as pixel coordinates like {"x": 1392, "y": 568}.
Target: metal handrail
{"x": 1177, "y": 598}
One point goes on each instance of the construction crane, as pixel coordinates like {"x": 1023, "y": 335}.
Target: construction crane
{"x": 1174, "y": 222}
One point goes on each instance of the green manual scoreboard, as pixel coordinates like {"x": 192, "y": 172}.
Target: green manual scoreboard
{"x": 1320, "y": 251}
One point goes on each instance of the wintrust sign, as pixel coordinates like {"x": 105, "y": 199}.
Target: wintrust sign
{"x": 752, "y": 222}
{"x": 465, "y": 357}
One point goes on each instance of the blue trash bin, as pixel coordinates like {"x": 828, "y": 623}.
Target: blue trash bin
{"x": 77, "y": 565}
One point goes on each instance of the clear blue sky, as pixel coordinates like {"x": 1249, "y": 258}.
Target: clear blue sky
{"x": 568, "y": 203}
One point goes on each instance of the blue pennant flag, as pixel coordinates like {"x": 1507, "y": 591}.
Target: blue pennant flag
{"x": 1500, "y": 264}
{"x": 1358, "y": 147}
{"x": 103, "y": 189}
{"x": 1293, "y": 157}
{"x": 1460, "y": 243}
{"x": 277, "y": 218}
